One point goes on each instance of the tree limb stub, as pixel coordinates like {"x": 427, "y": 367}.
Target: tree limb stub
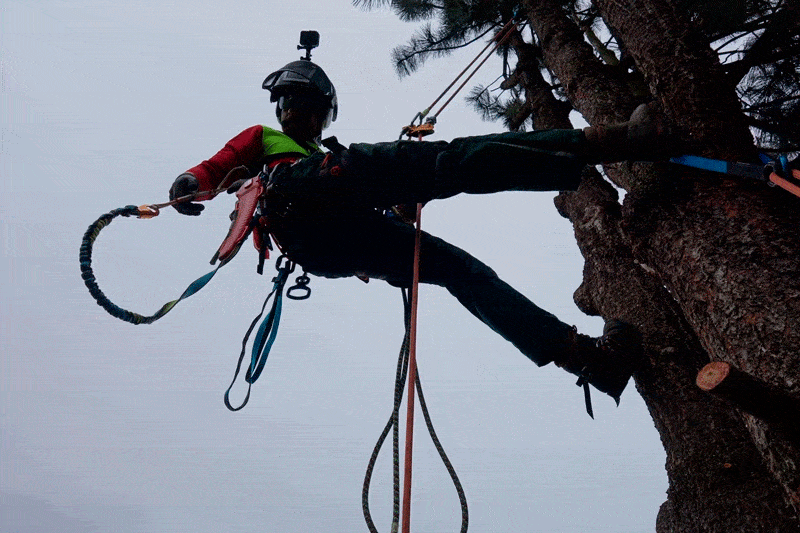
{"x": 777, "y": 408}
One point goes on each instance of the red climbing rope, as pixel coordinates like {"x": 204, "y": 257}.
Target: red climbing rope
{"x": 419, "y": 131}
{"x": 412, "y": 379}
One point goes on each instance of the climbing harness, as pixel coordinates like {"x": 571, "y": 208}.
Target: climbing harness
{"x": 393, "y": 425}
{"x": 248, "y": 217}
{"x": 776, "y": 172}
{"x": 422, "y": 129}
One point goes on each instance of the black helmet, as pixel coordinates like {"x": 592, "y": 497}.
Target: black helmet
{"x": 302, "y": 77}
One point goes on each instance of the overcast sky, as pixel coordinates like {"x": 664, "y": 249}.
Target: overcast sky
{"x": 106, "y": 426}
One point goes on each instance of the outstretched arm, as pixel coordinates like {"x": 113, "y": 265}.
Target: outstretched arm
{"x": 246, "y": 149}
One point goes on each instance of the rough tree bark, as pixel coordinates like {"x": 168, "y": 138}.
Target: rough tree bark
{"x": 707, "y": 267}
{"x": 718, "y": 481}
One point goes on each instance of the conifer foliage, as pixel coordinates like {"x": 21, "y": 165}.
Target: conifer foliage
{"x": 758, "y": 42}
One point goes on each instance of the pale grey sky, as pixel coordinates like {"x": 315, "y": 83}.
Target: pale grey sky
{"x": 107, "y": 426}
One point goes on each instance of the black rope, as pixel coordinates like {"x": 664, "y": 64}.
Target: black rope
{"x": 102, "y": 300}
{"x": 393, "y": 423}
{"x": 86, "y": 264}
{"x": 462, "y": 498}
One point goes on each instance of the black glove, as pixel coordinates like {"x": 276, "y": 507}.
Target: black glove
{"x": 184, "y": 185}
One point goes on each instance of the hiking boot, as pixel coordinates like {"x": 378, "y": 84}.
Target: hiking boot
{"x": 646, "y": 136}
{"x": 607, "y": 362}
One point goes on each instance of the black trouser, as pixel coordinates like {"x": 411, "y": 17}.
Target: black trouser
{"x": 407, "y": 172}
{"x": 334, "y": 239}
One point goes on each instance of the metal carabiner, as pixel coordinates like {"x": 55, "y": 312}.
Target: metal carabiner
{"x": 289, "y": 264}
{"x": 301, "y": 285}
{"x": 283, "y": 272}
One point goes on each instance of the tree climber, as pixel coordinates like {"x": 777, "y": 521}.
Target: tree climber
{"x": 326, "y": 211}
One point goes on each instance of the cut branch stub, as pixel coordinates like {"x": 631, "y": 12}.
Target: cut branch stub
{"x": 764, "y": 401}
{"x": 712, "y": 375}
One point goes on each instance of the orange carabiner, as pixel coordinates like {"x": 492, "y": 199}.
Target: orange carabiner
{"x": 148, "y": 211}
{"x": 421, "y": 130}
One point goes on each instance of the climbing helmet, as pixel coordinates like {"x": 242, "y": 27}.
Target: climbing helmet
{"x": 303, "y": 83}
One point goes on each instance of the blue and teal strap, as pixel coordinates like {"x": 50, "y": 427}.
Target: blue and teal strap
{"x": 778, "y": 165}
{"x": 746, "y": 170}
{"x": 265, "y": 336}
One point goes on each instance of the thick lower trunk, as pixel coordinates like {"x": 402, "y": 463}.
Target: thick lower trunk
{"x": 728, "y": 253}
{"x": 718, "y": 480}
{"x": 726, "y": 249}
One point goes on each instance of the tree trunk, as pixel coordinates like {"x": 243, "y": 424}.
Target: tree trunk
{"x": 718, "y": 481}
{"x": 706, "y": 267}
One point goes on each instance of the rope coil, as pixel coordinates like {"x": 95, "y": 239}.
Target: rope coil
{"x": 87, "y": 273}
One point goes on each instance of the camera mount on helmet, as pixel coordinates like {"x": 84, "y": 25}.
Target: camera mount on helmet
{"x": 308, "y": 41}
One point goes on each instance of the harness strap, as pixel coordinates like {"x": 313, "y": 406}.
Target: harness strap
{"x": 242, "y": 221}
{"x": 265, "y": 336}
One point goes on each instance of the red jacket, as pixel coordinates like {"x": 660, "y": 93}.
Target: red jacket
{"x": 253, "y": 148}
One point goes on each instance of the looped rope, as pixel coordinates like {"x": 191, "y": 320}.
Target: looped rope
{"x": 393, "y": 424}
{"x": 145, "y": 211}
{"x": 266, "y": 334}
{"x": 102, "y": 300}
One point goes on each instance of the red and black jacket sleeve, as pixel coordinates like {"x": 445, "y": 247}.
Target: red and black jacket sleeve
{"x": 247, "y": 149}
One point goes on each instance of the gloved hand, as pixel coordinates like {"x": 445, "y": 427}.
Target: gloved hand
{"x": 184, "y": 185}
